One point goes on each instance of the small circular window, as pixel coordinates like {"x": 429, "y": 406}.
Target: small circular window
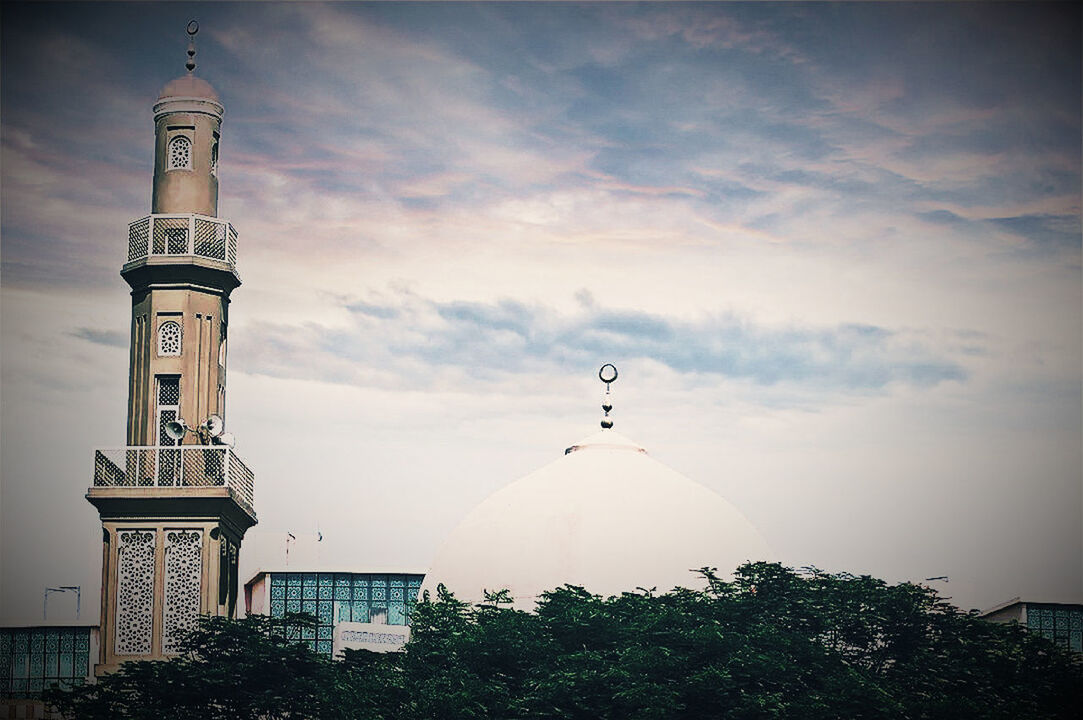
{"x": 180, "y": 153}
{"x": 169, "y": 338}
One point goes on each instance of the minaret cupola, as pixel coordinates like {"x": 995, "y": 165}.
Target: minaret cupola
{"x": 187, "y": 127}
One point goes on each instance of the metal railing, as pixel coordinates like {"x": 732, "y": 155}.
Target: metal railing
{"x": 176, "y": 466}
{"x": 182, "y": 234}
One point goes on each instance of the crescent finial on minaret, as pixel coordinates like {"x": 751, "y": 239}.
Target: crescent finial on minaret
{"x": 192, "y": 29}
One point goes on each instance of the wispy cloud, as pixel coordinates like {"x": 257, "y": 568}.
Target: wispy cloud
{"x": 110, "y": 338}
{"x": 1049, "y": 231}
{"x": 485, "y": 339}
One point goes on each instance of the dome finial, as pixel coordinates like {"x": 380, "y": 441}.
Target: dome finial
{"x": 607, "y": 374}
{"x": 192, "y": 29}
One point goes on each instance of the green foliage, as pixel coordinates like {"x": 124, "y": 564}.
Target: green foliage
{"x": 773, "y": 643}
{"x": 227, "y": 669}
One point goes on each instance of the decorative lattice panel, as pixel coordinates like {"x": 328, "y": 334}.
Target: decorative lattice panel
{"x": 203, "y": 466}
{"x": 169, "y": 468}
{"x": 141, "y": 466}
{"x": 183, "y": 572}
{"x": 180, "y": 153}
{"x": 107, "y": 472}
{"x": 135, "y": 591}
{"x": 241, "y": 481}
{"x": 169, "y": 461}
{"x": 211, "y": 239}
{"x": 232, "y": 245}
{"x": 164, "y": 418}
{"x": 342, "y": 597}
{"x": 170, "y": 235}
{"x": 169, "y": 391}
{"x": 1062, "y": 625}
{"x": 169, "y": 338}
{"x": 5, "y": 662}
{"x": 138, "y": 238}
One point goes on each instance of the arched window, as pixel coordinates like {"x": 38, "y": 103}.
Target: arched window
{"x": 169, "y": 338}
{"x": 180, "y": 153}
{"x": 214, "y": 159}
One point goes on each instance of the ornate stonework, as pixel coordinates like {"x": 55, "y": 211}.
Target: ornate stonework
{"x": 135, "y": 592}
{"x": 183, "y": 570}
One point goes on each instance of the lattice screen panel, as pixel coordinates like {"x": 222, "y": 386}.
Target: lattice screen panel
{"x": 210, "y": 239}
{"x": 135, "y": 591}
{"x": 138, "y": 238}
{"x": 180, "y": 153}
{"x": 232, "y": 246}
{"x": 170, "y": 235}
{"x": 183, "y": 573}
{"x": 169, "y": 340}
{"x": 169, "y": 391}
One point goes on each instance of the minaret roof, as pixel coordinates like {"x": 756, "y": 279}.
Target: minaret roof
{"x": 188, "y": 86}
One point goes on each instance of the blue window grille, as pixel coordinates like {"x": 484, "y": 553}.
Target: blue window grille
{"x": 33, "y": 659}
{"x": 342, "y": 597}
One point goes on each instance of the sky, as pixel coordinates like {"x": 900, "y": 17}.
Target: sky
{"x": 833, "y": 249}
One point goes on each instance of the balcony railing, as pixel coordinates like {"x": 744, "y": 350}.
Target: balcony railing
{"x": 182, "y": 234}
{"x": 177, "y": 466}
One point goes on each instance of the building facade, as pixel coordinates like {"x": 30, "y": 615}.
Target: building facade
{"x": 352, "y": 609}
{"x": 34, "y": 659}
{"x": 1060, "y": 622}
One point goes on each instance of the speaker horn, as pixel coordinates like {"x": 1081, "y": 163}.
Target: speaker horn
{"x": 225, "y": 438}
{"x": 175, "y": 429}
{"x": 214, "y": 425}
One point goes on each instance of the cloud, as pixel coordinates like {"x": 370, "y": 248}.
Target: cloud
{"x": 1049, "y": 231}
{"x": 480, "y": 340}
{"x": 942, "y": 217}
{"x": 110, "y": 338}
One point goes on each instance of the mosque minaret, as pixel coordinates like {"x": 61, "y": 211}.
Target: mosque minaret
{"x": 176, "y": 501}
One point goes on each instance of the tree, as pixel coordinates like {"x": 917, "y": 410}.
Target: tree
{"x": 236, "y": 669}
{"x": 773, "y": 643}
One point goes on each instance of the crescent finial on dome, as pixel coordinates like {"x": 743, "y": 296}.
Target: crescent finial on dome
{"x": 607, "y": 374}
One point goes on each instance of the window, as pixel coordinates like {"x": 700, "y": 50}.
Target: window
{"x": 214, "y": 159}
{"x": 180, "y": 153}
{"x": 169, "y": 338}
{"x": 222, "y": 347}
{"x": 1061, "y": 624}
{"x": 169, "y": 461}
{"x": 342, "y": 597}
{"x": 32, "y": 659}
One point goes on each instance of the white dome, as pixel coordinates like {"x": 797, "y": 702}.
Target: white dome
{"x": 606, "y": 516}
{"x": 188, "y": 86}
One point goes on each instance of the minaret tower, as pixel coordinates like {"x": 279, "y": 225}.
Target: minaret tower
{"x": 176, "y": 501}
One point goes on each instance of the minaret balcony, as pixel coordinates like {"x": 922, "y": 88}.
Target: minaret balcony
{"x": 178, "y": 472}
{"x": 182, "y": 234}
